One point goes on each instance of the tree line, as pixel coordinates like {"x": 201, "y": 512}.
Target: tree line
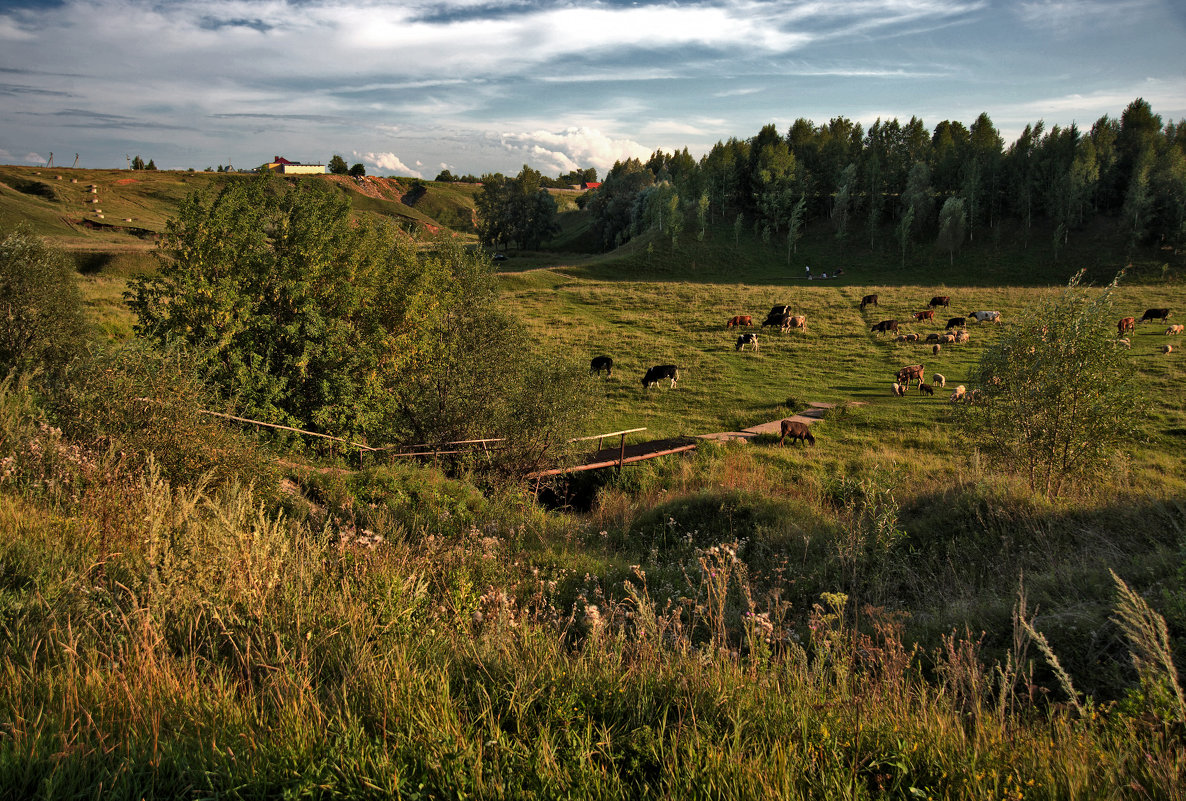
{"x": 909, "y": 184}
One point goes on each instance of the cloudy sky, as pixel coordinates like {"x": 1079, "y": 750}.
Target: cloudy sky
{"x": 411, "y": 87}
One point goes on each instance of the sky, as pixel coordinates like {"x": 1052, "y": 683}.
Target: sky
{"x": 411, "y": 88}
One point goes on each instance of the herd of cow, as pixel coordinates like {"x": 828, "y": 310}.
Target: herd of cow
{"x": 782, "y": 318}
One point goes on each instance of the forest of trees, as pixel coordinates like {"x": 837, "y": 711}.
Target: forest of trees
{"x": 896, "y": 184}
{"x": 515, "y": 211}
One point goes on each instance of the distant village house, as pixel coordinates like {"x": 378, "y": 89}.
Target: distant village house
{"x": 282, "y": 165}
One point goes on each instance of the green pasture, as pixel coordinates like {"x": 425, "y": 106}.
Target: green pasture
{"x": 836, "y": 360}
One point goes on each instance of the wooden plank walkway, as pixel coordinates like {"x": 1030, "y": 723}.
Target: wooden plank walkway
{"x": 612, "y": 457}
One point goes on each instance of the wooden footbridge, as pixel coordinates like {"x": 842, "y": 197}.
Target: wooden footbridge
{"x": 601, "y": 458}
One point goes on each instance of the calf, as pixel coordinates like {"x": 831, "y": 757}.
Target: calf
{"x": 746, "y": 339}
{"x": 740, "y": 321}
{"x": 885, "y": 326}
{"x": 929, "y": 314}
{"x": 659, "y": 372}
{"x": 868, "y": 300}
{"x": 796, "y": 430}
{"x": 1154, "y": 314}
{"x": 794, "y": 321}
{"x": 1125, "y": 325}
{"x": 600, "y": 363}
{"x": 926, "y": 389}
{"x": 956, "y": 322}
{"x": 940, "y": 300}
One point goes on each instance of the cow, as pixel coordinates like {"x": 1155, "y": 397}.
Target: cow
{"x": 747, "y": 339}
{"x": 985, "y": 316}
{"x": 794, "y": 321}
{"x": 740, "y": 321}
{"x": 885, "y": 326}
{"x": 1154, "y": 314}
{"x": 956, "y": 322}
{"x": 940, "y": 300}
{"x": 906, "y": 374}
{"x": 600, "y": 363}
{"x": 929, "y": 314}
{"x": 868, "y": 300}
{"x": 796, "y": 430}
{"x": 658, "y": 372}
{"x": 1126, "y": 324}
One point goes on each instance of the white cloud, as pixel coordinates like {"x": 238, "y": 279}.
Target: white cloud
{"x": 34, "y": 158}
{"x": 573, "y": 149}
{"x": 389, "y": 162}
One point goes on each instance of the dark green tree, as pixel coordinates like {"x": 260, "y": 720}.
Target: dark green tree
{"x": 444, "y": 176}
{"x": 338, "y": 166}
{"x": 137, "y": 162}
{"x": 358, "y": 170}
{"x": 151, "y": 165}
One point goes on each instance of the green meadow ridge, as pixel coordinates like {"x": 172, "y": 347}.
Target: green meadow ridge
{"x": 189, "y": 609}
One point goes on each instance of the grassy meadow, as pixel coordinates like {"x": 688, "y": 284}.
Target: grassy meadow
{"x": 884, "y": 615}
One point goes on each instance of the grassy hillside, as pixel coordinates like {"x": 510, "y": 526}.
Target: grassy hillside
{"x": 876, "y": 616}
{"x": 126, "y": 208}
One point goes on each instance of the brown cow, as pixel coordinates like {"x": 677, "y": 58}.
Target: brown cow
{"x": 929, "y": 314}
{"x": 796, "y": 430}
{"x": 940, "y": 300}
{"x": 1126, "y": 324}
{"x": 794, "y": 321}
{"x": 913, "y": 371}
{"x": 740, "y": 320}
{"x": 868, "y": 300}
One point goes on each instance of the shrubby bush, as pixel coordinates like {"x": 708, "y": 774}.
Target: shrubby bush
{"x": 1058, "y": 396}
{"x": 41, "y": 321}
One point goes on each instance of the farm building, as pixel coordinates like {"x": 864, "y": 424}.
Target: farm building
{"x": 282, "y": 165}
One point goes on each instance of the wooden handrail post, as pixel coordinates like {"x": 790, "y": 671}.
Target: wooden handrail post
{"x": 622, "y": 453}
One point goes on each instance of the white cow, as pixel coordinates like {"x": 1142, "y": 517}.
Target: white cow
{"x": 986, "y": 316}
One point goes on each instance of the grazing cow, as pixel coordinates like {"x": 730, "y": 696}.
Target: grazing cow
{"x": 796, "y": 430}
{"x": 600, "y": 363}
{"x": 940, "y": 300}
{"x": 929, "y": 314}
{"x": 985, "y": 316}
{"x": 1174, "y": 330}
{"x": 740, "y": 321}
{"x": 659, "y": 372}
{"x": 746, "y": 339}
{"x": 885, "y": 326}
{"x": 936, "y": 378}
{"x": 1154, "y": 314}
{"x": 868, "y": 300}
{"x": 1125, "y": 325}
{"x": 908, "y": 373}
{"x": 956, "y": 322}
{"x": 926, "y": 389}
{"x": 794, "y": 321}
